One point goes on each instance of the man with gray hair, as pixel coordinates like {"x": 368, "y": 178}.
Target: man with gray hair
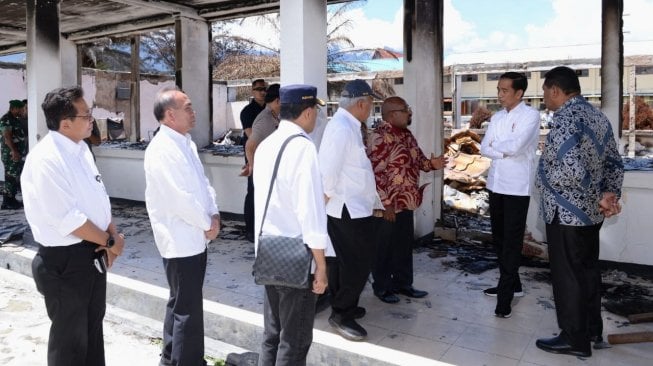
{"x": 184, "y": 216}
{"x": 350, "y": 191}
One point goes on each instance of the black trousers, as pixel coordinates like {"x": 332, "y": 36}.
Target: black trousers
{"x": 353, "y": 242}
{"x": 508, "y": 219}
{"x": 288, "y": 316}
{"x": 183, "y": 325}
{"x": 393, "y": 267}
{"x": 576, "y": 280}
{"x": 248, "y": 209}
{"x": 75, "y": 299}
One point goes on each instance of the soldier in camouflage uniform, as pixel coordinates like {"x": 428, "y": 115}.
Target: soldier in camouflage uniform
{"x": 14, "y": 149}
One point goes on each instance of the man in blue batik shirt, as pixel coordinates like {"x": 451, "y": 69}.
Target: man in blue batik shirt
{"x": 579, "y": 176}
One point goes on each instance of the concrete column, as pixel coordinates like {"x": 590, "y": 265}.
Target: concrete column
{"x": 192, "y": 38}
{"x": 423, "y": 90}
{"x": 135, "y": 95}
{"x": 69, "y": 63}
{"x": 303, "y": 49}
{"x": 612, "y": 62}
{"x": 43, "y": 56}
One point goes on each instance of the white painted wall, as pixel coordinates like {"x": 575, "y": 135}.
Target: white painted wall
{"x": 124, "y": 176}
{"x": 14, "y": 86}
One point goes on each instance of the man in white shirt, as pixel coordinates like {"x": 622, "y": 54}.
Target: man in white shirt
{"x": 510, "y": 141}
{"x": 296, "y": 209}
{"x": 184, "y": 216}
{"x": 68, "y": 210}
{"x": 350, "y": 190}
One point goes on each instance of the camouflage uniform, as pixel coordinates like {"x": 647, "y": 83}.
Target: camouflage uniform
{"x": 12, "y": 168}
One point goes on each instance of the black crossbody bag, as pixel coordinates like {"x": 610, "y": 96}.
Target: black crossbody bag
{"x": 281, "y": 260}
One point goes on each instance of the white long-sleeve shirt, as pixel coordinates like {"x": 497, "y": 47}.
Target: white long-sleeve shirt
{"x": 347, "y": 174}
{"x": 179, "y": 198}
{"x": 511, "y": 141}
{"x": 62, "y": 188}
{"x": 296, "y": 207}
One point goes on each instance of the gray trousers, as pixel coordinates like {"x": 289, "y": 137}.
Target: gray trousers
{"x": 288, "y": 316}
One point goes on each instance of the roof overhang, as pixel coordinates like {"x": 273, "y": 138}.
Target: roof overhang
{"x": 85, "y": 20}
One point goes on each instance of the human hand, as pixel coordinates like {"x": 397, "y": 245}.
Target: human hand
{"x": 389, "y": 214}
{"x": 213, "y": 232}
{"x": 115, "y": 251}
{"x": 15, "y": 155}
{"x": 245, "y": 171}
{"x": 609, "y": 204}
{"x": 438, "y": 162}
{"x": 320, "y": 281}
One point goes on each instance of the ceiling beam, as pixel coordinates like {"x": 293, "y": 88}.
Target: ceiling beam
{"x": 166, "y": 6}
{"x": 13, "y": 31}
{"x": 13, "y": 48}
{"x": 121, "y": 29}
{"x": 223, "y": 13}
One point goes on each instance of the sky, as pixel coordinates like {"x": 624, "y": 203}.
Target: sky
{"x": 498, "y": 30}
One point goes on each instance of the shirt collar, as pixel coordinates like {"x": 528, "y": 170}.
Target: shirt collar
{"x": 69, "y": 146}
{"x": 290, "y": 128}
{"x": 175, "y": 136}
{"x": 353, "y": 122}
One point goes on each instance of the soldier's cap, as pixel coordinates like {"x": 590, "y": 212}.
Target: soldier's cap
{"x": 358, "y": 88}
{"x": 299, "y": 93}
{"x": 15, "y": 103}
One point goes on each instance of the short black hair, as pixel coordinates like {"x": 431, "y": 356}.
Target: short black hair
{"x": 257, "y": 81}
{"x": 58, "y": 105}
{"x": 564, "y": 78}
{"x": 292, "y": 111}
{"x": 519, "y": 80}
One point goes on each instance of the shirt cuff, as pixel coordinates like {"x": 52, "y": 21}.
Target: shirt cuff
{"x": 71, "y": 222}
{"x": 316, "y": 240}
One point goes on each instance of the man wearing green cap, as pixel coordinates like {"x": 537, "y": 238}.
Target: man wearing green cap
{"x": 14, "y": 149}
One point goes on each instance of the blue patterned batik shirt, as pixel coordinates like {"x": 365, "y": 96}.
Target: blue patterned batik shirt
{"x": 579, "y": 163}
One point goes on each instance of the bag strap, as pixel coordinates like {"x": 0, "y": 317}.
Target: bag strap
{"x": 274, "y": 176}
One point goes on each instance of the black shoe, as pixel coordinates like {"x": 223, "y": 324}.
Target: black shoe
{"x": 359, "y": 312}
{"x": 596, "y": 339}
{"x": 411, "y": 292}
{"x": 387, "y": 297}
{"x": 560, "y": 345}
{"x": 347, "y": 328}
{"x": 492, "y": 291}
{"x": 503, "y": 315}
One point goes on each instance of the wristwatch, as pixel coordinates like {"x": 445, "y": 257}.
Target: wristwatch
{"x": 110, "y": 242}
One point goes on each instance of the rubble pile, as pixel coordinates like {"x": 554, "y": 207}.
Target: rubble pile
{"x": 464, "y": 175}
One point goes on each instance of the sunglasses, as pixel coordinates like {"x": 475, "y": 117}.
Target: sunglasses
{"x": 259, "y": 89}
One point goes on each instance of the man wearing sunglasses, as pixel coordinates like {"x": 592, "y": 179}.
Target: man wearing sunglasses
{"x": 247, "y": 117}
{"x": 397, "y": 161}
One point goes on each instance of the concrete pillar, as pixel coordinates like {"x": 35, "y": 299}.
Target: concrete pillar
{"x": 612, "y": 62}
{"x": 135, "y": 87}
{"x": 43, "y": 56}
{"x": 192, "y": 74}
{"x": 423, "y": 90}
{"x": 303, "y": 49}
{"x": 69, "y": 63}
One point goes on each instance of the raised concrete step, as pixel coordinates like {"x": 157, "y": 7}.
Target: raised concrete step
{"x": 238, "y": 330}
